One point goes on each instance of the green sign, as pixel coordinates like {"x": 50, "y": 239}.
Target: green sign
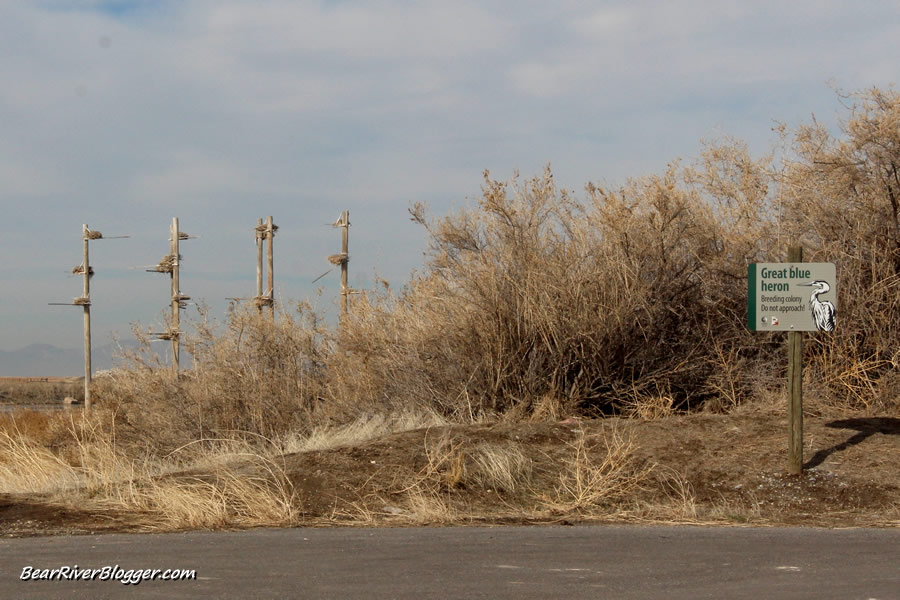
{"x": 791, "y": 296}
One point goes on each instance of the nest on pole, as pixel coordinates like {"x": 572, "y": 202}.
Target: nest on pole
{"x": 82, "y": 301}
{"x": 183, "y": 236}
{"x": 92, "y": 235}
{"x": 79, "y": 270}
{"x": 262, "y": 231}
{"x": 339, "y": 259}
{"x": 166, "y": 265}
{"x": 263, "y": 301}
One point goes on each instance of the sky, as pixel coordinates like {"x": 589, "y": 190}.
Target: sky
{"x": 122, "y": 114}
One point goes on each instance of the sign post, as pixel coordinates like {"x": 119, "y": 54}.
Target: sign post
{"x": 793, "y": 297}
{"x": 795, "y": 387}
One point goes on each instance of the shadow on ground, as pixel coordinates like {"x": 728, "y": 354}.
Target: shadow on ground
{"x": 864, "y": 427}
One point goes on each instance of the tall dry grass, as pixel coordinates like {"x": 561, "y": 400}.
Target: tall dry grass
{"x": 231, "y": 484}
{"x": 251, "y": 378}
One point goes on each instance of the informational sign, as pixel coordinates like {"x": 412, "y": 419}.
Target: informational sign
{"x": 791, "y": 296}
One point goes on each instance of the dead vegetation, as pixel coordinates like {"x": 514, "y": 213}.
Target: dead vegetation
{"x": 40, "y": 390}
{"x": 588, "y": 483}
{"x": 535, "y": 307}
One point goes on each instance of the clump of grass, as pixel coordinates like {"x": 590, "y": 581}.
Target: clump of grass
{"x": 426, "y": 506}
{"x": 365, "y": 428}
{"x": 453, "y": 462}
{"x": 27, "y": 467}
{"x": 596, "y": 475}
{"x": 240, "y": 486}
{"x": 455, "y": 466}
{"x": 503, "y": 467}
{"x": 227, "y": 497}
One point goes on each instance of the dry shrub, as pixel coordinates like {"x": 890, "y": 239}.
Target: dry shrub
{"x": 841, "y": 200}
{"x": 597, "y": 474}
{"x": 255, "y": 378}
{"x": 534, "y": 295}
{"x": 679, "y": 492}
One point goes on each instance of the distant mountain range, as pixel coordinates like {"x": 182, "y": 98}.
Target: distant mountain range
{"x": 47, "y": 360}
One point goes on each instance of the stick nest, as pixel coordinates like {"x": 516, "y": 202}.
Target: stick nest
{"x": 339, "y": 259}
{"x": 262, "y": 231}
{"x": 166, "y": 265}
{"x": 92, "y": 235}
{"x": 82, "y": 301}
{"x": 79, "y": 270}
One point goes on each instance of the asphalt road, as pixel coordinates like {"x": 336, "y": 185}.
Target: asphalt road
{"x": 505, "y": 562}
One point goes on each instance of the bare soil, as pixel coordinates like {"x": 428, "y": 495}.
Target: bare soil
{"x": 714, "y": 469}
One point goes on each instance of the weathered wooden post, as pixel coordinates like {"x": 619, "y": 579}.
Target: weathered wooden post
{"x": 795, "y": 386}
{"x": 174, "y": 249}
{"x": 342, "y": 259}
{"x": 84, "y": 301}
{"x": 344, "y": 223}
{"x": 270, "y": 237}
{"x": 260, "y": 229}
{"x": 265, "y": 232}
{"x": 171, "y": 264}
{"x": 86, "y": 295}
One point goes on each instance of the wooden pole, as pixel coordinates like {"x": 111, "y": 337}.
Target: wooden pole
{"x": 795, "y": 387}
{"x": 176, "y": 293}
{"x": 270, "y": 235}
{"x": 259, "y": 264}
{"x": 87, "y": 320}
{"x": 345, "y": 241}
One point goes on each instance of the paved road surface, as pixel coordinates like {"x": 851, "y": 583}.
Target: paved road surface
{"x": 508, "y": 562}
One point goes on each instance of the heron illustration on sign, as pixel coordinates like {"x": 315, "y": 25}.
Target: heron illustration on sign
{"x": 823, "y": 312}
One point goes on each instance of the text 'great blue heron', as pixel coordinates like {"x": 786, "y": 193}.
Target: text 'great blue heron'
{"x": 823, "y": 312}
